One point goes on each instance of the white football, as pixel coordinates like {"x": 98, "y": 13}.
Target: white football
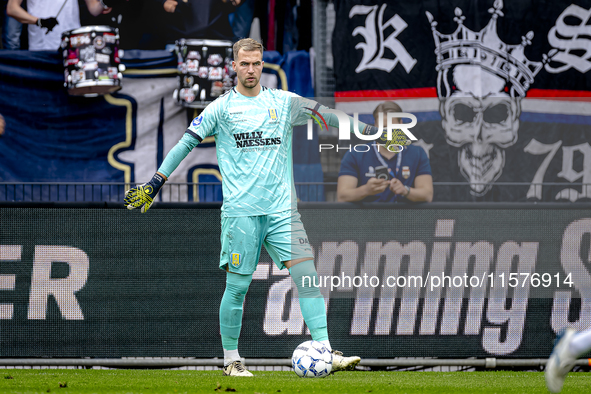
{"x": 311, "y": 359}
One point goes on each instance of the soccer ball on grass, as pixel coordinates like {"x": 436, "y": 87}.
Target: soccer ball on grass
{"x": 312, "y": 359}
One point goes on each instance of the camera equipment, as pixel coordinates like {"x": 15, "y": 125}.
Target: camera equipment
{"x": 382, "y": 173}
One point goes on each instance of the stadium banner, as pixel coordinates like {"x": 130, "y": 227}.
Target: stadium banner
{"x": 117, "y": 138}
{"x": 89, "y": 282}
{"x": 500, "y": 90}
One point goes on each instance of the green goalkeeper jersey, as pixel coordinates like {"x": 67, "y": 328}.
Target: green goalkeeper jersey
{"x": 253, "y": 138}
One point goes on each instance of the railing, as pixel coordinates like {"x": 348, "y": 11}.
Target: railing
{"x": 105, "y": 191}
{"x": 307, "y": 191}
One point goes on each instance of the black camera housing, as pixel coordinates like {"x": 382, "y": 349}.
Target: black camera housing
{"x": 382, "y": 173}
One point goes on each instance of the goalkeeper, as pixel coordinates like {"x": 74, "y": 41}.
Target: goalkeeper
{"x": 252, "y": 126}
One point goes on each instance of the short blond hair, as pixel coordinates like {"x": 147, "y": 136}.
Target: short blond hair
{"x": 247, "y": 44}
{"x": 386, "y": 107}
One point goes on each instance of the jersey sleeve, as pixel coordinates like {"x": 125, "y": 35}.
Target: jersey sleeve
{"x": 424, "y": 167}
{"x": 177, "y": 154}
{"x": 201, "y": 127}
{"x": 299, "y": 109}
{"x": 205, "y": 125}
{"x": 303, "y": 109}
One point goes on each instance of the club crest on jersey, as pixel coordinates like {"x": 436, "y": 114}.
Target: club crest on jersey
{"x": 273, "y": 114}
{"x": 197, "y": 121}
{"x": 405, "y": 172}
{"x": 235, "y": 259}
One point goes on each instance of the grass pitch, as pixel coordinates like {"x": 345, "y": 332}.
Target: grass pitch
{"x": 64, "y": 381}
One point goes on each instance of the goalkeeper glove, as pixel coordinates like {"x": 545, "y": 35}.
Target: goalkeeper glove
{"x": 143, "y": 196}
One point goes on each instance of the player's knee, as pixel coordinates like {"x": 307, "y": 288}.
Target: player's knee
{"x": 305, "y": 278}
{"x": 237, "y": 285}
{"x": 309, "y": 292}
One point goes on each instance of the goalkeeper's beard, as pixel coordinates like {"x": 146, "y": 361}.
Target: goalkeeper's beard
{"x": 249, "y": 84}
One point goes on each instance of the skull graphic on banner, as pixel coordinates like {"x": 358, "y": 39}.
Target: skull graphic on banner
{"x": 480, "y": 83}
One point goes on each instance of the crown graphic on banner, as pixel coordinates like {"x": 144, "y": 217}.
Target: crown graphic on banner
{"x": 487, "y": 50}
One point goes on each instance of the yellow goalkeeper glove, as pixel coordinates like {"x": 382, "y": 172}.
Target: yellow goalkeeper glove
{"x": 399, "y": 138}
{"x": 143, "y": 196}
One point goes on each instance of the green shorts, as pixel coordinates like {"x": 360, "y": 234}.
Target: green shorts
{"x": 282, "y": 234}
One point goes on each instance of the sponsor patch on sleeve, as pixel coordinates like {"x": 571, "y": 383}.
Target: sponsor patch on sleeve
{"x": 197, "y": 121}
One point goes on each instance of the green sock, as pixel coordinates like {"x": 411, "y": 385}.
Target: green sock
{"x": 231, "y": 309}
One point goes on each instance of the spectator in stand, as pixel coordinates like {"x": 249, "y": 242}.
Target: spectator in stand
{"x": 242, "y": 20}
{"x": 383, "y": 175}
{"x": 47, "y": 20}
{"x": 135, "y": 19}
{"x": 198, "y": 19}
{"x": 11, "y": 30}
{"x": 284, "y": 25}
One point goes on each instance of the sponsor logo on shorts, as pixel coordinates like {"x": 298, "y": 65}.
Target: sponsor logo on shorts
{"x": 235, "y": 259}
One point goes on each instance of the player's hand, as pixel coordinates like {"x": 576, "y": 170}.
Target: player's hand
{"x": 48, "y": 23}
{"x": 399, "y": 139}
{"x": 397, "y": 187}
{"x": 376, "y": 186}
{"x": 143, "y": 196}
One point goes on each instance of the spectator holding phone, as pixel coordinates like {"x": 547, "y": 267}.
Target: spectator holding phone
{"x": 385, "y": 175}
